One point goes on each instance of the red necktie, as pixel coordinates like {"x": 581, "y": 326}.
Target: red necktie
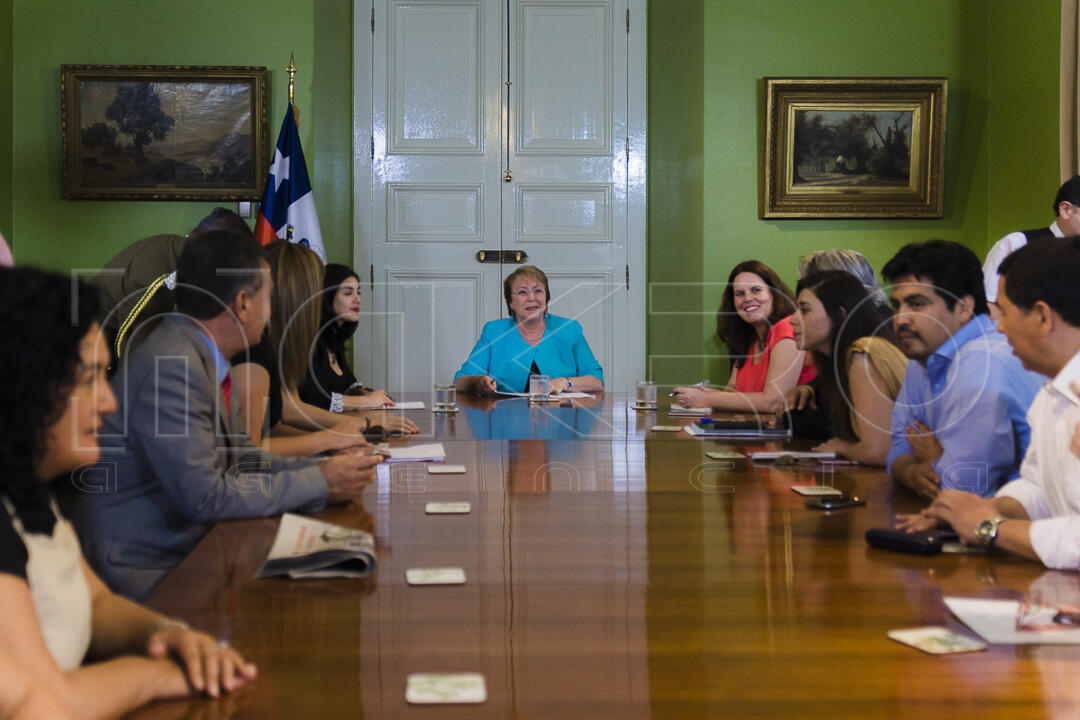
{"x": 226, "y": 390}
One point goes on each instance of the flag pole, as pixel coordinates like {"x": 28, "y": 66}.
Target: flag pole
{"x": 292, "y": 75}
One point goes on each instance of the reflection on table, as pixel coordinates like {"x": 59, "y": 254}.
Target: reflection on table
{"x": 621, "y": 575}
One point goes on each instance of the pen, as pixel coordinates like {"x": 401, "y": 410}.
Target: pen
{"x": 701, "y": 384}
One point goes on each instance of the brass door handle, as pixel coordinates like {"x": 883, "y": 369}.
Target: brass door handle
{"x": 502, "y": 256}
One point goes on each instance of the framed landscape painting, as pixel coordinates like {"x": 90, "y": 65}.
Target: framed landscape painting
{"x": 853, "y": 148}
{"x": 153, "y": 132}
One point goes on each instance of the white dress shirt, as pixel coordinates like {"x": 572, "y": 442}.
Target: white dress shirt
{"x": 1049, "y": 482}
{"x": 1002, "y": 249}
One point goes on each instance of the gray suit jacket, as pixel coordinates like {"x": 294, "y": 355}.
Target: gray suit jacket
{"x": 172, "y": 465}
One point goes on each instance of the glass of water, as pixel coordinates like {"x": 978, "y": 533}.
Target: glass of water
{"x": 539, "y": 387}
{"x": 646, "y": 395}
{"x": 445, "y": 398}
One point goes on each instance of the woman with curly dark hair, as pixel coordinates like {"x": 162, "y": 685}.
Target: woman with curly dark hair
{"x": 56, "y": 609}
{"x": 754, "y": 322}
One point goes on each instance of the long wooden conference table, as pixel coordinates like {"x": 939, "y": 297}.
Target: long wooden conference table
{"x": 614, "y": 572}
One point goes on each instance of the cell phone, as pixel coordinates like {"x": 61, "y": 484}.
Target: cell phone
{"x": 834, "y": 502}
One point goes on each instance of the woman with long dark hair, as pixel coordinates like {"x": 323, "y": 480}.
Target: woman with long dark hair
{"x": 754, "y": 322}
{"x": 859, "y": 366}
{"x": 56, "y": 611}
{"x": 330, "y": 383}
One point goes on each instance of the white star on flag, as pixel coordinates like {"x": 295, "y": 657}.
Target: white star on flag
{"x": 280, "y": 169}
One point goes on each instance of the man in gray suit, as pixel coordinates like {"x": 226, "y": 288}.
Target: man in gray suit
{"x": 173, "y": 462}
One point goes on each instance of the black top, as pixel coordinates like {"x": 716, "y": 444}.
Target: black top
{"x": 263, "y": 355}
{"x": 321, "y": 380}
{"x": 35, "y": 511}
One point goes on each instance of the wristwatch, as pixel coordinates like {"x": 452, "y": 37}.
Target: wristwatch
{"x": 569, "y": 383}
{"x": 986, "y": 532}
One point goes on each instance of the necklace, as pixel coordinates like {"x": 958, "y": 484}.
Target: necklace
{"x": 532, "y": 337}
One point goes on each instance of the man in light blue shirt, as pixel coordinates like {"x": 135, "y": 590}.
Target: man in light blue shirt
{"x": 959, "y": 421}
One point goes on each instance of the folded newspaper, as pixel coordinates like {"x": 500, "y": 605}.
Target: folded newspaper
{"x": 309, "y": 548}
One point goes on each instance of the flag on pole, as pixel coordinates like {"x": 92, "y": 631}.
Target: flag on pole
{"x": 288, "y": 207}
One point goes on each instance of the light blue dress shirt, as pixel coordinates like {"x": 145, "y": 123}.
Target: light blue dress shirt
{"x": 974, "y": 395}
{"x": 503, "y": 354}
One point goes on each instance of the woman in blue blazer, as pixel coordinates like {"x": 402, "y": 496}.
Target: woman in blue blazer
{"x": 529, "y": 341}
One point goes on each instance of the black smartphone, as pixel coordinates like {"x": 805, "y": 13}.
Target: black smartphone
{"x": 834, "y": 502}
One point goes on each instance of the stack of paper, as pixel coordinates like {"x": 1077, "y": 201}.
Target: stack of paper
{"x": 433, "y": 452}
{"x": 680, "y": 411}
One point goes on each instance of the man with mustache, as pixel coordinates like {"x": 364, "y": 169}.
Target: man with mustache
{"x": 1037, "y": 515}
{"x": 959, "y": 420}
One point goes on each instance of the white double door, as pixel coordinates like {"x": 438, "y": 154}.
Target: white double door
{"x": 497, "y": 126}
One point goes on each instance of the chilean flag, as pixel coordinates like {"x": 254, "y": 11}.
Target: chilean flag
{"x": 288, "y": 204}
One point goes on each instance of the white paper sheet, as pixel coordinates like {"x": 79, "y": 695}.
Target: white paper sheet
{"x": 417, "y": 453}
{"x": 995, "y": 621}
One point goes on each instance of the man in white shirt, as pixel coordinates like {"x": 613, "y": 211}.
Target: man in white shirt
{"x": 1038, "y": 514}
{"x": 1067, "y": 212}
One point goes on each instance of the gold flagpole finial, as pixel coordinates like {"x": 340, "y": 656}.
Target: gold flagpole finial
{"x": 292, "y": 74}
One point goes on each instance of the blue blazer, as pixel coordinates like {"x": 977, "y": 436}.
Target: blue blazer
{"x": 503, "y": 354}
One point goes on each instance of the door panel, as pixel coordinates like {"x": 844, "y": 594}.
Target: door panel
{"x": 435, "y": 81}
{"x": 564, "y": 81}
{"x": 463, "y": 93}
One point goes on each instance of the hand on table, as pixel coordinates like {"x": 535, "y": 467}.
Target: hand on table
{"x": 799, "y": 397}
{"x": 963, "y": 510}
{"x": 484, "y": 385}
{"x": 374, "y": 399}
{"x": 347, "y": 474}
{"x": 210, "y": 666}
{"x": 558, "y": 385}
{"x": 690, "y": 396}
{"x": 917, "y": 522}
{"x": 395, "y": 424}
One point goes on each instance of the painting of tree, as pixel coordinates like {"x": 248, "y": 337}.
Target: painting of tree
{"x": 155, "y": 132}
{"x": 846, "y": 148}
{"x": 137, "y": 112}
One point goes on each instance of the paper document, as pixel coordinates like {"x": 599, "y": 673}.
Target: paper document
{"x": 797, "y": 455}
{"x": 417, "y": 453}
{"x": 679, "y": 410}
{"x": 552, "y": 396}
{"x": 411, "y": 405}
{"x": 995, "y": 621}
{"x": 306, "y": 548}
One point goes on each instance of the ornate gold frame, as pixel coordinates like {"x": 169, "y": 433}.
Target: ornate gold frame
{"x": 925, "y": 98}
{"x": 81, "y": 161}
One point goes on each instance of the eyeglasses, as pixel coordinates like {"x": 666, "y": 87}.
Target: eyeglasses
{"x": 1033, "y": 614}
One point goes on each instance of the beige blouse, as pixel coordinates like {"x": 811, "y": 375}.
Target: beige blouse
{"x": 886, "y": 358}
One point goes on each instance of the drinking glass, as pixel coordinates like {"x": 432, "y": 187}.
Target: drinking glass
{"x": 445, "y": 398}
{"x": 539, "y": 387}
{"x": 646, "y": 395}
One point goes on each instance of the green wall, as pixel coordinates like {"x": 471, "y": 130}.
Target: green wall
{"x": 5, "y": 117}
{"x": 50, "y": 231}
{"x": 706, "y": 62}
{"x": 1023, "y": 172}
{"x": 746, "y": 41}
{"x": 676, "y": 51}
{"x": 330, "y": 159}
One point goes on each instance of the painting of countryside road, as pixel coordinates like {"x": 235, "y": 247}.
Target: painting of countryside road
{"x": 846, "y": 148}
{"x": 148, "y": 133}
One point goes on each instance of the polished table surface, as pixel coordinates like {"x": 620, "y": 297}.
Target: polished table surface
{"x": 613, "y": 571}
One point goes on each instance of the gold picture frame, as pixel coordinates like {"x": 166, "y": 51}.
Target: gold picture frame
{"x": 853, "y": 148}
{"x": 163, "y": 132}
